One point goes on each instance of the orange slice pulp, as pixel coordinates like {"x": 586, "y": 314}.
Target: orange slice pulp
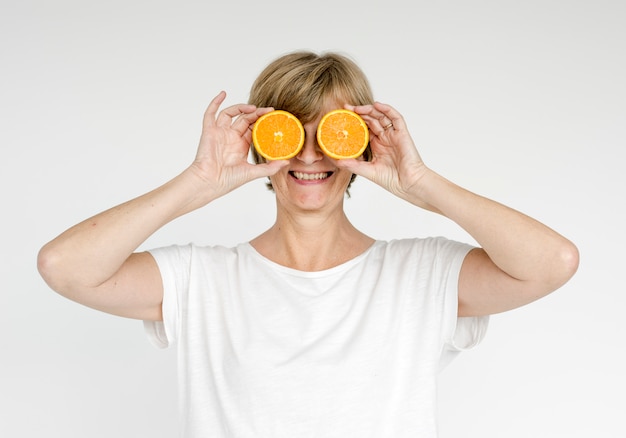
{"x": 278, "y": 135}
{"x": 342, "y": 134}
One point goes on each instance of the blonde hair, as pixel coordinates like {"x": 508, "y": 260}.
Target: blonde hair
{"x": 303, "y": 82}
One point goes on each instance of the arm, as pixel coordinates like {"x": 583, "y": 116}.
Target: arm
{"x": 519, "y": 259}
{"x": 94, "y": 262}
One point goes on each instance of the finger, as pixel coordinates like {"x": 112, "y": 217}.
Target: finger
{"x": 376, "y": 120}
{"x": 245, "y": 122}
{"x": 211, "y": 111}
{"x": 392, "y": 114}
{"x": 378, "y": 124}
{"x": 226, "y": 116}
{"x": 383, "y": 120}
{"x": 381, "y": 117}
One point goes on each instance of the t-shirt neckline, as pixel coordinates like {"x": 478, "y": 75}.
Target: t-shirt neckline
{"x": 247, "y": 247}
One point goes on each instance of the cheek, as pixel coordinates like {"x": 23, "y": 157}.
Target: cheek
{"x": 279, "y": 178}
{"x": 344, "y": 176}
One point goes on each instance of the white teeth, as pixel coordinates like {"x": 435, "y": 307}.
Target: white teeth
{"x": 310, "y": 176}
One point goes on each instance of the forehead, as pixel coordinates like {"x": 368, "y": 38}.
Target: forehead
{"x": 331, "y": 104}
{"x": 326, "y": 108}
{"x": 326, "y": 105}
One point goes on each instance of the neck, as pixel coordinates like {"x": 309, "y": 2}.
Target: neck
{"x": 311, "y": 241}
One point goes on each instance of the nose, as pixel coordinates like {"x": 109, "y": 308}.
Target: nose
{"x": 310, "y": 152}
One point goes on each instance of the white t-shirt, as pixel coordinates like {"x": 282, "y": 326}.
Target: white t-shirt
{"x": 266, "y": 351}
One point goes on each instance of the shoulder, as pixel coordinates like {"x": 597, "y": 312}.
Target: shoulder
{"x": 424, "y": 247}
{"x": 192, "y": 253}
{"x": 430, "y": 256}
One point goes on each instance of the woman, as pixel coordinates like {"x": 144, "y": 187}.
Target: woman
{"x": 312, "y": 328}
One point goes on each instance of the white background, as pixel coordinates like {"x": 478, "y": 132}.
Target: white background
{"x": 521, "y": 101}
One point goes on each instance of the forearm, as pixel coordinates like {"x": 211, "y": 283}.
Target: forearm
{"x": 520, "y": 246}
{"x": 89, "y": 253}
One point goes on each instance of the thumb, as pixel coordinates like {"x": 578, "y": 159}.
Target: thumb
{"x": 268, "y": 168}
{"x": 359, "y": 167}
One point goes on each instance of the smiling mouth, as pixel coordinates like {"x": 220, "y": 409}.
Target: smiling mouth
{"x": 310, "y": 176}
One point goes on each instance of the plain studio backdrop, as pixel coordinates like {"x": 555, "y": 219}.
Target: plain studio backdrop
{"x": 523, "y": 102}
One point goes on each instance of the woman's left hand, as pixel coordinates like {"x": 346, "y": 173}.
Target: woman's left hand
{"x": 520, "y": 259}
{"x": 396, "y": 164}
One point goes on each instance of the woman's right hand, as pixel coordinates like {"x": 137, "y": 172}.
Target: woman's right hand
{"x": 221, "y": 161}
{"x": 94, "y": 262}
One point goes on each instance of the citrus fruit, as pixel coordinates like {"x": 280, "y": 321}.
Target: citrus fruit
{"x": 342, "y": 134}
{"x": 278, "y": 135}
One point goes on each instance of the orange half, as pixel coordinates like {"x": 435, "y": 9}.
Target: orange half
{"x": 278, "y": 135}
{"x": 342, "y": 134}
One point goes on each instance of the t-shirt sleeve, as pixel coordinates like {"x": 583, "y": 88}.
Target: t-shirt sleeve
{"x": 460, "y": 333}
{"x": 173, "y": 263}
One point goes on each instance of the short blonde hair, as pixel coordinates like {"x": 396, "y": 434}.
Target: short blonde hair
{"x": 303, "y": 82}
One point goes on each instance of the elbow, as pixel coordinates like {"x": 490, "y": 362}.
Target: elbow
{"x": 573, "y": 259}
{"x": 49, "y": 266}
{"x": 566, "y": 264}
{"x": 45, "y": 263}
